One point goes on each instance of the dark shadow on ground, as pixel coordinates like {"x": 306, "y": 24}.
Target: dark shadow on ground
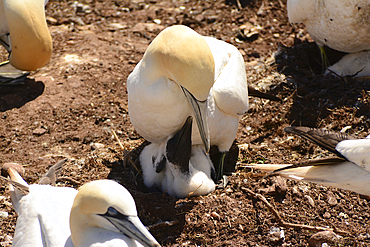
{"x": 315, "y": 94}
{"x": 15, "y": 96}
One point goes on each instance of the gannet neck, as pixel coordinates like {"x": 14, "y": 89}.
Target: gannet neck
{"x": 300, "y": 10}
{"x": 30, "y": 38}
{"x": 183, "y": 56}
{"x": 105, "y": 206}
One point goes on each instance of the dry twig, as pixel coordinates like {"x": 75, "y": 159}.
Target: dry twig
{"x": 283, "y": 223}
{"x": 126, "y": 153}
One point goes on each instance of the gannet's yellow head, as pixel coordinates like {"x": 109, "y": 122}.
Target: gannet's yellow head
{"x": 186, "y": 59}
{"x": 31, "y": 43}
{"x": 108, "y": 205}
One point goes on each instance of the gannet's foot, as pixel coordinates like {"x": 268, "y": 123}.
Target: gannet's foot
{"x": 11, "y": 76}
{"x": 324, "y": 59}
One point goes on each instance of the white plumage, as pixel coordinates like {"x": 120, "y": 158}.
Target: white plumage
{"x": 198, "y": 181}
{"x": 159, "y": 105}
{"x": 351, "y": 171}
{"x": 341, "y": 25}
{"x": 101, "y": 213}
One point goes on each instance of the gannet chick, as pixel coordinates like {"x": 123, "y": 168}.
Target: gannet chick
{"x": 101, "y": 213}
{"x": 340, "y": 25}
{"x": 350, "y": 170}
{"x": 178, "y": 167}
{"x": 25, "y": 35}
{"x": 182, "y": 67}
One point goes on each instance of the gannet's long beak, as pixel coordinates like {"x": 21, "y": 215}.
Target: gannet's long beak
{"x": 5, "y": 41}
{"x": 131, "y": 226}
{"x": 200, "y": 114}
{"x": 178, "y": 149}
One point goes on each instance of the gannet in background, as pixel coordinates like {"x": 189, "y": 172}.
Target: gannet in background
{"x": 25, "y": 35}
{"x": 341, "y": 25}
{"x": 185, "y": 74}
{"x": 178, "y": 167}
{"x": 350, "y": 170}
{"x": 100, "y": 213}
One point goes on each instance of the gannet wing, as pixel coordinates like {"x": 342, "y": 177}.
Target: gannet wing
{"x": 230, "y": 88}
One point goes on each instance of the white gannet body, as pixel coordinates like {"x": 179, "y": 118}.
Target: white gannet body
{"x": 341, "y": 25}
{"x": 100, "y": 213}
{"x": 351, "y": 171}
{"x": 158, "y": 104}
{"x": 24, "y": 33}
{"x": 228, "y": 98}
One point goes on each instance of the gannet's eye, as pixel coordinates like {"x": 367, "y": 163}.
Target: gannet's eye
{"x": 112, "y": 211}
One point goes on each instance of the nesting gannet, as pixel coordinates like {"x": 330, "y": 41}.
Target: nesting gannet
{"x": 178, "y": 167}
{"x": 350, "y": 170}
{"x": 185, "y": 74}
{"x": 100, "y": 213}
{"x": 341, "y": 25}
{"x": 25, "y": 35}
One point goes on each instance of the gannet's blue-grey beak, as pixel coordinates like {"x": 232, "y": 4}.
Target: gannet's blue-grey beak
{"x": 200, "y": 114}
{"x": 130, "y": 226}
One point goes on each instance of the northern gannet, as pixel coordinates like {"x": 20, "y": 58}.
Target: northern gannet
{"x": 350, "y": 170}
{"x": 341, "y": 25}
{"x": 25, "y": 35}
{"x": 178, "y": 167}
{"x": 185, "y": 74}
{"x": 100, "y": 213}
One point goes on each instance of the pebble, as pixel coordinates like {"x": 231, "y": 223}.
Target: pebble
{"x": 96, "y": 146}
{"x": 326, "y": 215}
{"x": 310, "y": 200}
{"x": 321, "y": 238}
{"x": 39, "y": 131}
{"x": 215, "y": 215}
{"x": 276, "y": 234}
{"x": 3, "y": 214}
{"x": 331, "y": 199}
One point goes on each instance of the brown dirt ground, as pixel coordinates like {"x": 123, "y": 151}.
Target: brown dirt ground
{"x": 80, "y": 97}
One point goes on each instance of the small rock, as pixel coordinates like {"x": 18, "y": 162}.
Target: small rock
{"x": 39, "y": 131}
{"x": 215, "y": 215}
{"x": 310, "y": 200}
{"x": 276, "y": 234}
{"x": 331, "y": 199}
{"x": 318, "y": 239}
{"x": 199, "y": 18}
{"x": 116, "y": 26}
{"x": 3, "y": 214}
{"x": 295, "y": 192}
{"x": 326, "y": 215}
{"x": 278, "y": 186}
{"x": 52, "y": 21}
{"x": 96, "y": 146}
{"x": 157, "y": 21}
{"x": 343, "y": 215}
